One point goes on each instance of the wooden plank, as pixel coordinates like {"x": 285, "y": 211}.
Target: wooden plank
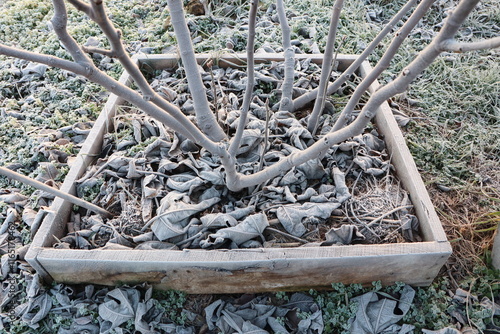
{"x": 163, "y": 61}
{"x": 256, "y": 270}
{"x": 407, "y": 171}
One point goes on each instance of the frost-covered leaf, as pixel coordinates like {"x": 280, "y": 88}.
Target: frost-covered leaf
{"x": 312, "y": 169}
{"x": 37, "y": 309}
{"x": 307, "y": 194}
{"x": 373, "y": 142}
{"x": 174, "y": 211}
{"x": 249, "y": 228}
{"x": 276, "y": 326}
{"x": 312, "y": 324}
{"x": 35, "y": 69}
{"x": 300, "y": 301}
{"x": 13, "y": 198}
{"x": 240, "y": 213}
{"x": 364, "y": 162}
{"x": 216, "y": 176}
{"x": 154, "y": 244}
{"x": 120, "y": 306}
{"x": 250, "y": 139}
{"x": 184, "y": 182}
{"x": 146, "y": 318}
{"x": 340, "y": 185}
{"x": 292, "y": 177}
{"x": 159, "y": 148}
{"x": 402, "y": 120}
{"x": 410, "y": 226}
{"x": 290, "y": 216}
{"x": 250, "y": 328}
{"x": 218, "y": 220}
{"x": 343, "y": 235}
{"x": 151, "y": 188}
{"x": 213, "y": 313}
{"x": 375, "y": 314}
{"x": 34, "y": 286}
{"x": 29, "y": 216}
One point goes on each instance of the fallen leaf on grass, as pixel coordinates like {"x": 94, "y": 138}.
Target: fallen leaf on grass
{"x": 37, "y": 309}
{"x": 120, "y": 306}
{"x": 375, "y": 315}
{"x": 447, "y": 330}
{"x": 312, "y": 324}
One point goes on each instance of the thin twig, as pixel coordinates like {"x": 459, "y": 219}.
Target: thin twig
{"x": 362, "y": 222}
{"x": 287, "y": 235}
{"x": 375, "y": 221}
{"x": 266, "y": 137}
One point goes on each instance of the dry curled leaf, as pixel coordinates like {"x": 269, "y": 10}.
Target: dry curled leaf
{"x": 290, "y": 216}
{"x": 251, "y": 227}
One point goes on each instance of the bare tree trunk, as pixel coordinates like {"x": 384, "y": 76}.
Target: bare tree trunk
{"x": 204, "y": 116}
{"x": 289, "y": 55}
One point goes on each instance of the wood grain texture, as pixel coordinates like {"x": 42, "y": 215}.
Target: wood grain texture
{"x": 252, "y": 270}
{"x": 258, "y": 270}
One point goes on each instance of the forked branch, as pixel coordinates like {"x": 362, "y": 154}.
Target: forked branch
{"x": 399, "y": 85}
{"x": 204, "y": 116}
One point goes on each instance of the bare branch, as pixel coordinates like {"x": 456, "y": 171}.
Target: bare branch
{"x": 399, "y": 85}
{"x": 326, "y": 69}
{"x": 43, "y": 59}
{"x": 455, "y": 46}
{"x": 235, "y": 144}
{"x": 108, "y": 53}
{"x": 289, "y": 55}
{"x": 81, "y": 6}
{"x": 304, "y": 99}
{"x": 59, "y": 23}
{"x": 383, "y": 63}
{"x": 56, "y": 192}
{"x": 204, "y": 116}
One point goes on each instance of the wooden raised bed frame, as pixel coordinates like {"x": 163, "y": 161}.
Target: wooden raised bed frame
{"x": 245, "y": 270}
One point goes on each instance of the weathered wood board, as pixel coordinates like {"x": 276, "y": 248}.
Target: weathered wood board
{"x": 253, "y": 270}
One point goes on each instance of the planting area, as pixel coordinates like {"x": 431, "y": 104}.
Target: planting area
{"x": 450, "y": 118}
